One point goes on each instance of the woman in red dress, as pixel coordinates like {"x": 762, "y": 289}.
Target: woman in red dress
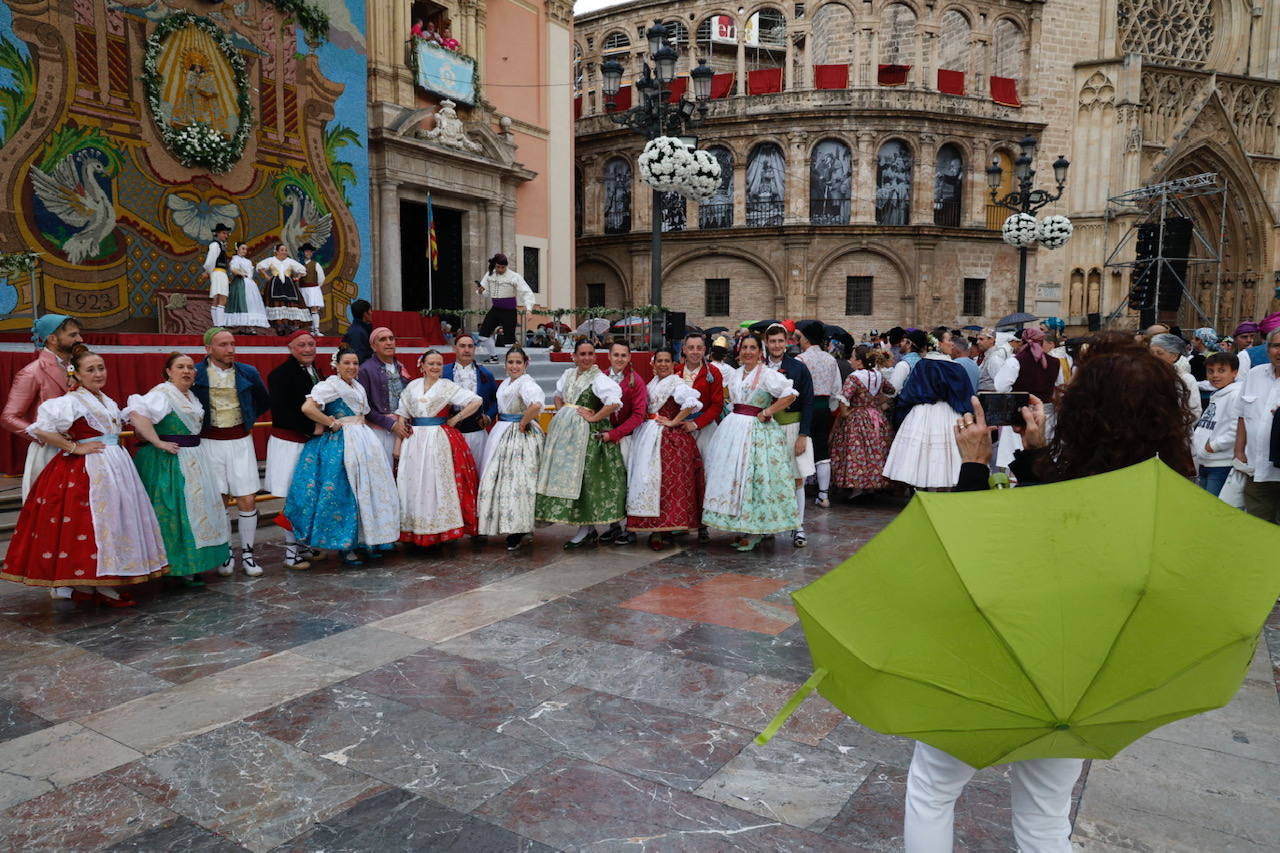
{"x": 664, "y": 483}
{"x": 861, "y": 436}
{"x": 88, "y": 525}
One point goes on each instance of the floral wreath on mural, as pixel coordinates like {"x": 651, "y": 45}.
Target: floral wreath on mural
{"x": 199, "y": 143}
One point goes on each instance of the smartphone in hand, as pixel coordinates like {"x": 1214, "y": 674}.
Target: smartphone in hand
{"x": 1004, "y": 409}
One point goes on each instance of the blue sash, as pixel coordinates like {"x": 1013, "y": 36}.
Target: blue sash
{"x": 511, "y": 419}
{"x": 114, "y": 438}
{"x": 428, "y": 421}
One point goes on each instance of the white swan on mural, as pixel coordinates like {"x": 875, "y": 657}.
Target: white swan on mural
{"x": 74, "y": 195}
{"x": 305, "y": 223}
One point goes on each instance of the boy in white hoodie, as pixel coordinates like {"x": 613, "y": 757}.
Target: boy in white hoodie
{"x": 1214, "y": 439}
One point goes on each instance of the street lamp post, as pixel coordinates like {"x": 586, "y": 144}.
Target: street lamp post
{"x": 652, "y": 118}
{"x": 1024, "y": 199}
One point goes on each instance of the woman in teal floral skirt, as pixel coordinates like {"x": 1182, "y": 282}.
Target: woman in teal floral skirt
{"x": 173, "y": 468}
{"x": 750, "y": 490}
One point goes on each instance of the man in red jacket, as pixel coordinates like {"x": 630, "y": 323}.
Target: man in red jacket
{"x": 632, "y": 413}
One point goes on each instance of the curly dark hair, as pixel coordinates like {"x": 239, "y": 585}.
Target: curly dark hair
{"x": 1122, "y": 406}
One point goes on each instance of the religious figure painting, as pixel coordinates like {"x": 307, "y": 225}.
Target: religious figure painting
{"x": 198, "y": 82}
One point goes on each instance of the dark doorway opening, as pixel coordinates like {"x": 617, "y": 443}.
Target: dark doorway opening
{"x": 443, "y": 289}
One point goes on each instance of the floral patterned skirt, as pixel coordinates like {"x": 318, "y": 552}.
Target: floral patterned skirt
{"x": 859, "y": 446}
{"x": 603, "y": 499}
{"x": 510, "y": 480}
{"x": 681, "y": 506}
{"x": 768, "y": 489}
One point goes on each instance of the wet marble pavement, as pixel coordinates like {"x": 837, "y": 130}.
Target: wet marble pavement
{"x": 474, "y": 700}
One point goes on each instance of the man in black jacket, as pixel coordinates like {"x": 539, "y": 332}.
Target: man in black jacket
{"x": 357, "y": 336}
{"x": 289, "y": 384}
{"x": 797, "y": 419}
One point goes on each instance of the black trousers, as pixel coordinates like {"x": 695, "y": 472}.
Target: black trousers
{"x": 504, "y": 317}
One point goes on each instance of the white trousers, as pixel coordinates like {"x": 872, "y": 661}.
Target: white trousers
{"x": 1041, "y": 801}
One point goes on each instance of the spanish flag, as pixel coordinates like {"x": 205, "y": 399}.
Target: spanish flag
{"x": 433, "y": 250}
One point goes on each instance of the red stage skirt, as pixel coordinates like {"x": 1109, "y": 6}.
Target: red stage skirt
{"x": 682, "y": 482}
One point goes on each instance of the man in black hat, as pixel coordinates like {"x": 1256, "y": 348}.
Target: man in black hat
{"x": 505, "y": 287}
{"x": 216, "y": 263}
{"x": 311, "y": 284}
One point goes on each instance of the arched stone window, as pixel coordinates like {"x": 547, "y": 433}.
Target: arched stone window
{"x": 953, "y": 41}
{"x": 617, "y": 196}
{"x": 675, "y": 211}
{"x": 948, "y": 186}
{"x": 833, "y": 35}
{"x": 677, "y": 33}
{"x": 893, "y": 184}
{"x": 1173, "y": 32}
{"x": 898, "y": 35}
{"x": 766, "y": 178}
{"x": 717, "y": 211}
{"x": 830, "y": 171}
{"x": 616, "y": 40}
{"x": 995, "y": 213}
{"x": 1075, "y": 294}
{"x": 1008, "y": 48}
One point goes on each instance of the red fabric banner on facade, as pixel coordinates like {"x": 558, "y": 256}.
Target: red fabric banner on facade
{"x": 622, "y": 100}
{"x": 721, "y": 85}
{"x": 831, "y": 76}
{"x": 892, "y": 75}
{"x": 1004, "y": 90}
{"x": 577, "y": 108}
{"x": 950, "y": 82}
{"x": 762, "y": 81}
{"x": 677, "y": 88}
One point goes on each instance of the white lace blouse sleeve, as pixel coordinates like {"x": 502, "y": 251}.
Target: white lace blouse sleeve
{"x": 609, "y": 392}
{"x": 686, "y": 397}
{"x": 462, "y": 397}
{"x": 776, "y": 384}
{"x": 242, "y": 266}
{"x": 1008, "y": 375}
{"x": 153, "y": 405}
{"x": 325, "y": 392}
{"x": 56, "y": 415}
{"x": 411, "y": 392}
{"x": 529, "y": 390}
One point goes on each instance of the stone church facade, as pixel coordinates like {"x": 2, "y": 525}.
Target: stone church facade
{"x": 855, "y": 136}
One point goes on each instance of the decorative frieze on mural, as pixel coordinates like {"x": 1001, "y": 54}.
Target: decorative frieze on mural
{"x": 131, "y": 128}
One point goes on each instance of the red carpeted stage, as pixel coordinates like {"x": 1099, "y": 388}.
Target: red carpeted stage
{"x": 135, "y": 362}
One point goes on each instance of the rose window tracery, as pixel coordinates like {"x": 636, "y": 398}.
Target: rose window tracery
{"x": 1177, "y": 32}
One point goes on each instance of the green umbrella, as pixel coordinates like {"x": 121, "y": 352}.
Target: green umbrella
{"x": 1061, "y": 621}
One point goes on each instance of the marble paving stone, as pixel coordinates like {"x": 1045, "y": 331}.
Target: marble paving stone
{"x": 197, "y": 658}
{"x": 504, "y": 642}
{"x": 69, "y": 682}
{"x": 582, "y": 617}
{"x": 246, "y": 786}
{"x": 1246, "y": 727}
{"x": 577, "y": 806}
{"x": 587, "y": 663}
{"x": 449, "y": 762}
{"x": 86, "y": 816}
{"x": 755, "y": 702}
{"x": 361, "y": 649}
{"x": 164, "y": 718}
{"x": 50, "y": 758}
{"x": 36, "y": 612}
{"x": 396, "y": 821}
{"x": 16, "y": 721}
{"x": 342, "y": 601}
{"x": 180, "y": 836}
{"x": 286, "y": 629}
{"x": 857, "y": 741}
{"x": 476, "y": 692}
{"x": 784, "y": 655}
{"x": 131, "y": 637}
{"x": 213, "y": 613}
{"x": 799, "y": 785}
{"x": 675, "y": 749}
{"x": 731, "y": 600}
{"x": 680, "y": 685}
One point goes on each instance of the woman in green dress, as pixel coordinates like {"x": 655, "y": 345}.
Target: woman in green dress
{"x": 173, "y": 467}
{"x": 581, "y": 479}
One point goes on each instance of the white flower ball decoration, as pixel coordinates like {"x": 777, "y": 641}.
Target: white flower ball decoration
{"x": 1020, "y": 230}
{"x": 703, "y": 180}
{"x": 665, "y": 164}
{"x": 1054, "y": 232}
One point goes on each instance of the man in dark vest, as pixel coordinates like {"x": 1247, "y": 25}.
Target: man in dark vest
{"x": 311, "y": 285}
{"x": 289, "y": 384}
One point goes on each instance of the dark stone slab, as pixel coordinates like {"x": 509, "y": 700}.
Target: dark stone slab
{"x": 86, "y": 816}
{"x": 16, "y": 721}
{"x": 784, "y": 656}
{"x": 180, "y": 835}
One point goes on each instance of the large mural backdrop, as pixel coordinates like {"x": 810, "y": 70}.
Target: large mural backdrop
{"x": 130, "y": 128}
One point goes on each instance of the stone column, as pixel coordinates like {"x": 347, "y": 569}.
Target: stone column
{"x": 388, "y": 295}
{"x": 797, "y": 190}
{"x": 788, "y": 71}
{"x": 592, "y": 195}
{"x": 922, "y": 179}
{"x": 976, "y": 185}
{"x": 928, "y": 295}
{"x": 795, "y": 279}
{"x": 638, "y": 294}
{"x": 739, "y": 191}
{"x": 808, "y": 58}
{"x": 492, "y": 228}
{"x": 864, "y": 184}
{"x": 870, "y": 52}
{"x": 742, "y": 55}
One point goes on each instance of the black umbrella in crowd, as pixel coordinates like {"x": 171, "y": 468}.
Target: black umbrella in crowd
{"x": 1021, "y": 318}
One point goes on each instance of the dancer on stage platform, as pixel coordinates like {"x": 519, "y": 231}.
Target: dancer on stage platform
{"x": 286, "y": 308}
{"x": 312, "y": 286}
{"x": 664, "y": 482}
{"x": 342, "y": 494}
{"x": 750, "y": 472}
{"x": 437, "y": 477}
{"x": 244, "y": 307}
{"x": 217, "y": 262}
{"x": 475, "y": 378}
{"x": 582, "y": 479}
{"x": 861, "y": 435}
{"x": 233, "y": 396}
{"x": 88, "y": 523}
{"x": 384, "y": 379}
{"x": 511, "y": 457}
{"x": 41, "y": 380}
{"x": 289, "y": 383}
{"x": 505, "y": 287}
{"x": 176, "y": 472}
